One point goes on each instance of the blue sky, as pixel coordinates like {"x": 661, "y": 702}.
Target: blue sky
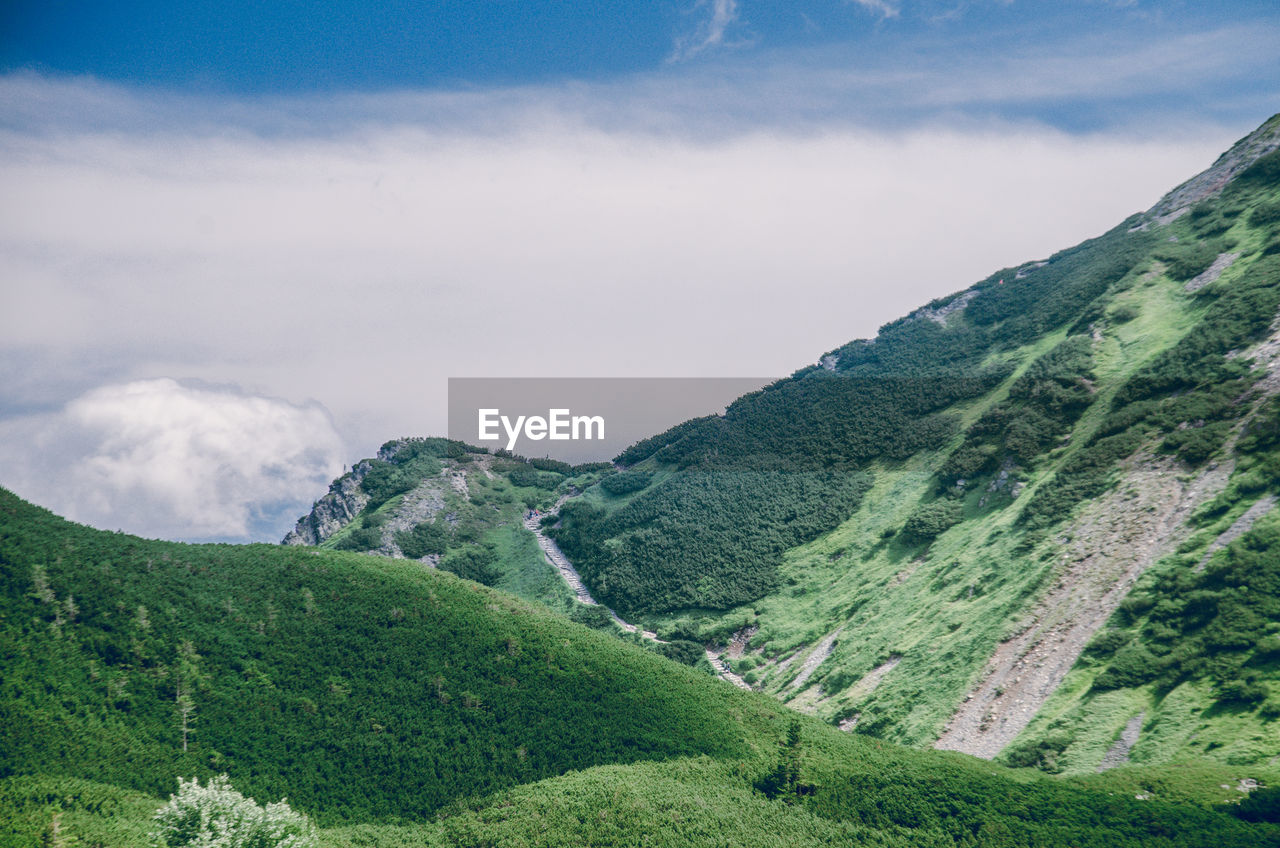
{"x": 250, "y": 48}
{"x": 242, "y": 244}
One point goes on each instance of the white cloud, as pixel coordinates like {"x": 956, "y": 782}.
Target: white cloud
{"x": 364, "y": 255}
{"x": 365, "y": 269}
{"x": 710, "y": 32}
{"x": 883, "y": 8}
{"x": 159, "y": 458}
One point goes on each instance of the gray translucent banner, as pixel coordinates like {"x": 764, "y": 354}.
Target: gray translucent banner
{"x": 582, "y": 419}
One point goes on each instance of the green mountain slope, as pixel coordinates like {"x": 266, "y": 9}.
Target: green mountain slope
{"x": 1126, "y": 435}
{"x": 304, "y": 667}
{"x": 399, "y": 705}
{"x": 1034, "y": 519}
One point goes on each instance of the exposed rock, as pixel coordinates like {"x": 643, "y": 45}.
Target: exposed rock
{"x": 1213, "y": 272}
{"x": 334, "y": 511}
{"x": 1242, "y": 154}
{"x": 1118, "y": 754}
{"x": 940, "y": 314}
{"x": 816, "y": 657}
{"x": 420, "y": 504}
{"x": 738, "y": 643}
{"x": 1111, "y": 542}
{"x": 871, "y": 680}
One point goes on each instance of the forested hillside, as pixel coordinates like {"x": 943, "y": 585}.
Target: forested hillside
{"x": 399, "y": 705}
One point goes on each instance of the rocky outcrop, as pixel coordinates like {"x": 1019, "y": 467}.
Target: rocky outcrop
{"x": 334, "y": 511}
{"x": 341, "y": 504}
{"x": 1265, "y": 139}
{"x": 420, "y": 504}
{"x": 940, "y": 314}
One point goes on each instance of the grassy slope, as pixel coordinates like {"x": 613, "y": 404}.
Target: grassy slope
{"x": 915, "y": 603}
{"x": 391, "y": 702}
{"x": 943, "y": 608}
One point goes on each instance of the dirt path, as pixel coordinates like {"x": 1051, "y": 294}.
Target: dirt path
{"x": 561, "y": 563}
{"x": 723, "y": 670}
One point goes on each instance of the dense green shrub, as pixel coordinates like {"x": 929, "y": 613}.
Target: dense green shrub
{"x": 1132, "y": 665}
{"x": 555, "y": 466}
{"x": 931, "y": 520}
{"x": 1260, "y": 805}
{"x": 385, "y": 480}
{"x": 1042, "y": 405}
{"x": 594, "y": 616}
{"x": 316, "y": 668}
{"x": 625, "y": 482}
{"x": 702, "y": 539}
{"x": 1212, "y": 624}
{"x": 682, "y": 651}
{"x": 472, "y": 562}
{"x": 1265, "y": 214}
{"x": 362, "y": 538}
{"x": 1042, "y": 752}
{"x": 428, "y": 537}
{"x": 1106, "y": 642}
{"x": 1184, "y": 261}
{"x": 1197, "y": 444}
{"x": 1124, "y": 313}
{"x": 530, "y": 476}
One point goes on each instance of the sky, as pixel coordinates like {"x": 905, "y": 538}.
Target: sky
{"x": 242, "y": 244}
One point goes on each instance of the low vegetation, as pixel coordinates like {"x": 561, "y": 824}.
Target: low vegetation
{"x": 468, "y": 717}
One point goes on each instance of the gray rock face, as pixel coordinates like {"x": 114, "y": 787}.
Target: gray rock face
{"x": 1242, "y": 154}
{"x": 419, "y": 505}
{"x": 942, "y": 313}
{"x": 335, "y": 510}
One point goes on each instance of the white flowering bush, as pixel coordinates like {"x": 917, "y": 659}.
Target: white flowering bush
{"x": 217, "y": 816}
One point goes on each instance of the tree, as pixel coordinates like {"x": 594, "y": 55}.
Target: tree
{"x": 217, "y": 816}
{"x": 784, "y": 781}
{"x": 189, "y": 678}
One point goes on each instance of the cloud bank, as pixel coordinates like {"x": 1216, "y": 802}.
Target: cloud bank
{"x": 157, "y": 457}
{"x": 360, "y": 250}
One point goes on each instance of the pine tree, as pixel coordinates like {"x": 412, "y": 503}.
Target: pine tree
{"x": 189, "y": 678}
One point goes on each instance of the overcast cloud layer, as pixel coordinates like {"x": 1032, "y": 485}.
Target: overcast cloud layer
{"x": 211, "y": 305}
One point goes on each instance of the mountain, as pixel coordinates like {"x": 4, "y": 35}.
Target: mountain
{"x": 399, "y": 705}
{"x": 1032, "y": 521}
